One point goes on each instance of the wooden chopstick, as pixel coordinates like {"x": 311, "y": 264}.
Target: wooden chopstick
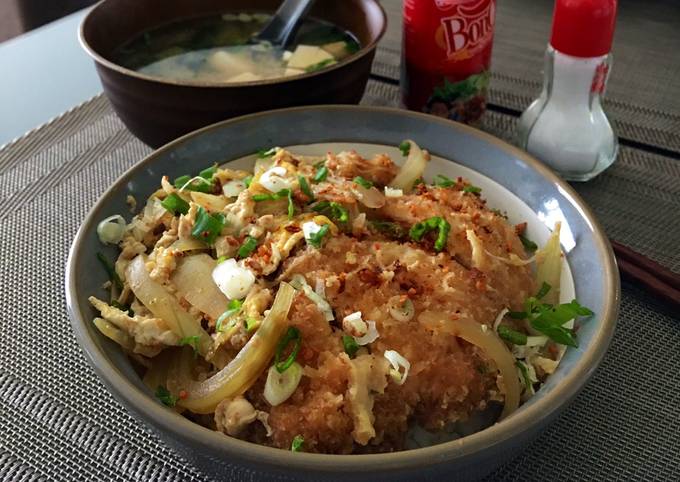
{"x": 655, "y": 278}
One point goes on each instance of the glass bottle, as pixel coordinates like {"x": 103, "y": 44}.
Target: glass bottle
{"x": 566, "y": 126}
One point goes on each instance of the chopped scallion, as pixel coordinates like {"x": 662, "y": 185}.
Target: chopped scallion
{"x": 389, "y": 228}
{"x": 175, "y": 204}
{"x": 296, "y": 445}
{"x": 513, "y": 336}
{"x": 363, "y": 182}
{"x": 472, "y": 189}
{"x": 209, "y": 172}
{"x": 247, "y": 248}
{"x": 192, "y": 341}
{"x": 350, "y": 345}
{"x": 315, "y": 239}
{"x": 438, "y": 223}
{"x": 233, "y": 308}
{"x": 528, "y": 244}
{"x": 292, "y": 335}
{"x": 110, "y": 270}
{"x": 333, "y": 210}
{"x": 443, "y": 181}
{"x": 304, "y": 187}
{"x": 405, "y": 148}
{"x": 247, "y": 181}
{"x": 321, "y": 174}
{"x": 166, "y": 398}
{"x": 207, "y": 227}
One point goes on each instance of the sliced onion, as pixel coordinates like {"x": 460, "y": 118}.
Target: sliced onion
{"x": 371, "y": 198}
{"x": 111, "y": 229}
{"x": 193, "y": 280}
{"x": 413, "y": 168}
{"x": 233, "y": 188}
{"x": 188, "y": 244}
{"x": 300, "y": 283}
{"x": 393, "y": 192}
{"x": 114, "y": 333}
{"x": 398, "y": 362}
{"x": 401, "y": 311}
{"x": 233, "y": 279}
{"x": 274, "y": 179}
{"x": 353, "y": 325}
{"x": 512, "y": 259}
{"x": 164, "y": 305}
{"x": 538, "y": 340}
{"x": 495, "y": 349}
{"x": 478, "y": 251}
{"x": 370, "y": 336}
{"x": 549, "y": 266}
{"x": 209, "y": 202}
{"x": 240, "y": 374}
{"x": 280, "y": 386}
{"x": 499, "y": 318}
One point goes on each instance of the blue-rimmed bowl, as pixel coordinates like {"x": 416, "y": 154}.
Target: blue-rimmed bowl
{"x": 511, "y": 180}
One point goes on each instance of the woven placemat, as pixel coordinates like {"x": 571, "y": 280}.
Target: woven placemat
{"x": 58, "y": 422}
{"x": 643, "y": 94}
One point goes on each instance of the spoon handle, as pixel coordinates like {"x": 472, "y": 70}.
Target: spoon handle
{"x": 284, "y": 22}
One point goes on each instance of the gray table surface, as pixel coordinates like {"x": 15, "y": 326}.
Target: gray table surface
{"x": 58, "y": 422}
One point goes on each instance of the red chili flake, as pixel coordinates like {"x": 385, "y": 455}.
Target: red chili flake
{"x": 457, "y": 207}
{"x": 369, "y": 276}
{"x": 183, "y": 394}
{"x": 292, "y": 228}
{"x": 232, "y": 241}
{"x": 376, "y": 246}
{"x": 205, "y": 234}
{"x": 553, "y": 350}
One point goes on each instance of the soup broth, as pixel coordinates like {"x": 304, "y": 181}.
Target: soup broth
{"x": 217, "y": 49}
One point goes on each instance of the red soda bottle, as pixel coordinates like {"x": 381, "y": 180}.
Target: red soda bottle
{"x": 446, "y": 57}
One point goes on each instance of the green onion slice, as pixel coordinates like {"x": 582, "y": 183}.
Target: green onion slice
{"x": 175, "y": 204}
{"x": 207, "y": 226}
{"x": 350, "y": 345}
{"x": 513, "y": 336}
{"x": 110, "y": 270}
{"x": 292, "y": 335}
{"x": 472, "y": 189}
{"x": 296, "y": 445}
{"x": 405, "y": 148}
{"x": 528, "y": 244}
{"x": 321, "y": 174}
{"x": 363, "y": 182}
{"x": 166, "y": 398}
{"x": 304, "y": 187}
{"x": 333, "y": 210}
{"x": 192, "y": 341}
{"x": 246, "y": 249}
{"x": 437, "y": 223}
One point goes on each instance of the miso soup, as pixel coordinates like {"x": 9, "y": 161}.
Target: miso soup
{"x": 217, "y": 49}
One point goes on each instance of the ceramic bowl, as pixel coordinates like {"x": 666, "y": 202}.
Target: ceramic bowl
{"x": 511, "y": 180}
{"x": 159, "y": 110}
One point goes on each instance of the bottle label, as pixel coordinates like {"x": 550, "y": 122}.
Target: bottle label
{"x": 469, "y": 29}
{"x": 447, "y": 54}
{"x": 600, "y": 79}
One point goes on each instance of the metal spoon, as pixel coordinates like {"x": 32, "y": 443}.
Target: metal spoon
{"x": 284, "y": 23}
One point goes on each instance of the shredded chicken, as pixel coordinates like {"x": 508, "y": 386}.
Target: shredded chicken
{"x": 368, "y": 376}
{"x": 151, "y": 335}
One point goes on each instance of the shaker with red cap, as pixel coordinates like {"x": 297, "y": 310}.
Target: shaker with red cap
{"x": 566, "y": 127}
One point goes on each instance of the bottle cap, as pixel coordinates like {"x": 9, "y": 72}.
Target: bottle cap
{"x": 583, "y": 28}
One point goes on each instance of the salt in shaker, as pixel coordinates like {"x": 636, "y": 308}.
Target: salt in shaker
{"x": 566, "y": 127}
